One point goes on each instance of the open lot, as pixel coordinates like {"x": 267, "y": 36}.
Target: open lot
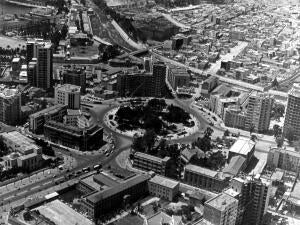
{"x": 62, "y": 214}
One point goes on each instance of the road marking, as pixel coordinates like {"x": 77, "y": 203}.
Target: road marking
{"x": 49, "y": 182}
{"x": 33, "y": 188}
{"x": 8, "y": 197}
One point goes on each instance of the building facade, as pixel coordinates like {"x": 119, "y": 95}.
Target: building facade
{"x": 292, "y": 116}
{"x": 10, "y": 106}
{"x": 221, "y": 210}
{"x": 38, "y": 119}
{"x": 258, "y": 113}
{"x": 178, "y": 77}
{"x": 163, "y": 187}
{"x": 284, "y": 159}
{"x": 151, "y": 163}
{"x": 41, "y": 51}
{"x": 75, "y": 76}
{"x": 253, "y": 196}
{"x": 204, "y": 178}
{"x": 69, "y": 95}
{"x": 82, "y": 139}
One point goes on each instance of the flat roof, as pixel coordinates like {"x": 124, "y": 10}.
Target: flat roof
{"x": 242, "y": 146}
{"x": 151, "y": 157}
{"x": 221, "y": 201}
{"x": 201, "y": 170}
{"x": 163, "y": 181}
{"x": 51, "y": 109}
{"x": 96, "y": 197}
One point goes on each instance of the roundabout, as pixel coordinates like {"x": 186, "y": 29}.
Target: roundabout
{"x": 135, "y": 117}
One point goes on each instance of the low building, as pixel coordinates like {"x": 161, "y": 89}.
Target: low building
{"x": 26, "y": 154}
{"x": 221, "y": 210}
{"x": 82, "y": 139}
{"x": 151, "y": 163}
{"x": 108, "y": 194}
{"x": 242, "y": 147}
{"x": 284, "y": 159}
{"x": 38, "y": 119}
{"x": 161, "y": 218}
{"x": 163, "y": 187}
{"x": 69, "y": 95}
{"x": 205, "y": 178}
{"x": 178, "y": 77}
{"x": 208, "y": 85}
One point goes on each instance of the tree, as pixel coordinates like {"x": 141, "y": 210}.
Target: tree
{"x": 253, "y": 138}
{"x": 226, "y": 133}
{"x": 208, "y": 132}
{"x": 289, "y": 133}
{"x": 277, "y": 130}
{"x": 279, "y": 141}
{"x": 149, "y": 139}
{"x": 275, "y": 83}
{"x": 252, "y": 128}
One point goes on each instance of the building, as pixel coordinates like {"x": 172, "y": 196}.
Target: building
{"x": 26, "y": 154}
{"x": 284, "y": 159}
{"x": 178, "y": 77}
{"x": 75, "y": 76}
{"x": 82, "y": 139}
{"x": 10, "y": 106}
{"x": 105, "y": 192}
{"x": 69, "y": 95}
{"x": 221, "y": 210}
{"x": 162, "y": 218}
{"x": 163, "y": 187}
{"x": 253, "y": 196}
{"x": 43, "y": 53}
{"x": 292, "y": 116}
{"x": 234, "y": 117}
{"x": 38, "y": 119}
{"x": 205, "y": 178}
{"x": 148, "y": 162}
{"x": 208, "y": 85}
{"x": 258, "y": 113}
{"x": 141, "y": 83}
{"x": 242, "y": 147}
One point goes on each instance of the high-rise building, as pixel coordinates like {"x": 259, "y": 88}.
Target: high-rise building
{"x": 31, "y": 72}
{"x": 75, "y": 76}
{"x": 159, "y": 78}
{"x": 292, "y": 116}
{"x": 259, "y": 111}
{"x": 10, "y": 106}
{"x": 42, "y": 51}
{"x": 221, "y": 210}
{"x": 253, "y": 195}
{"x": 69, "y": 95}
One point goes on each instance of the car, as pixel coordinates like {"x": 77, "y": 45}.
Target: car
{"x": 60, "y": 167}
{"x": 97, "y": 167}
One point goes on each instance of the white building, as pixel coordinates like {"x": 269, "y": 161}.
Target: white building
{"x": 69, "y": 95}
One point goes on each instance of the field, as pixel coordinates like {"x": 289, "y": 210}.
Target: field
{"x": 62, "y": 214}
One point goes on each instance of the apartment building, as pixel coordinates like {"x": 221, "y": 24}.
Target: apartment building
{"x": 205, "y": 178}
{"x": 10, "y": 106}
{"x": 284, "y": 159}
{"x": 253, "y": 196}
{"x": 259, "y": 111}
{"x": 69, "y": 95}
{"x": 75, "y": 76}
{"x": 292, "y": 116}
{"x": 221, "y": 210}
{"x": 178, "y": 77}
{"x": 148, "y": 162}
{"x": 163, "y": 187}
{"x": 38, "y": 119}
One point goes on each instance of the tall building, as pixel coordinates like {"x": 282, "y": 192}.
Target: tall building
{"x": 42, "y": 51}
{"x": 221, "y": 210}
{"x": 253, "y": 195}
{"x": 141, "y": 83}
{"x": 69, "y": 95}
{"x": 284, "y": 159}
{"x": 259, "y": 111}
{"x": 292, "y": 116}
{"x": 75, "y": 76}
{"x": 10, "y": 106}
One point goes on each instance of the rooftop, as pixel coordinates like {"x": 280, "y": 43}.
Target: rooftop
{"x": 163, "y": 181}
{"x": 68, "y": 88}
{"x": 49, "y": 110}
{"x": 201, "y": 170}
{"x": 235, "y": 165}
{"x": 163, "y": 218}
{"x": 242, "y": 146}
{"x": 221, "y": 201}
{"x": 151, "y": 157}
{"x": 295, "y": 91}
{"x": 118, "y": 188}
